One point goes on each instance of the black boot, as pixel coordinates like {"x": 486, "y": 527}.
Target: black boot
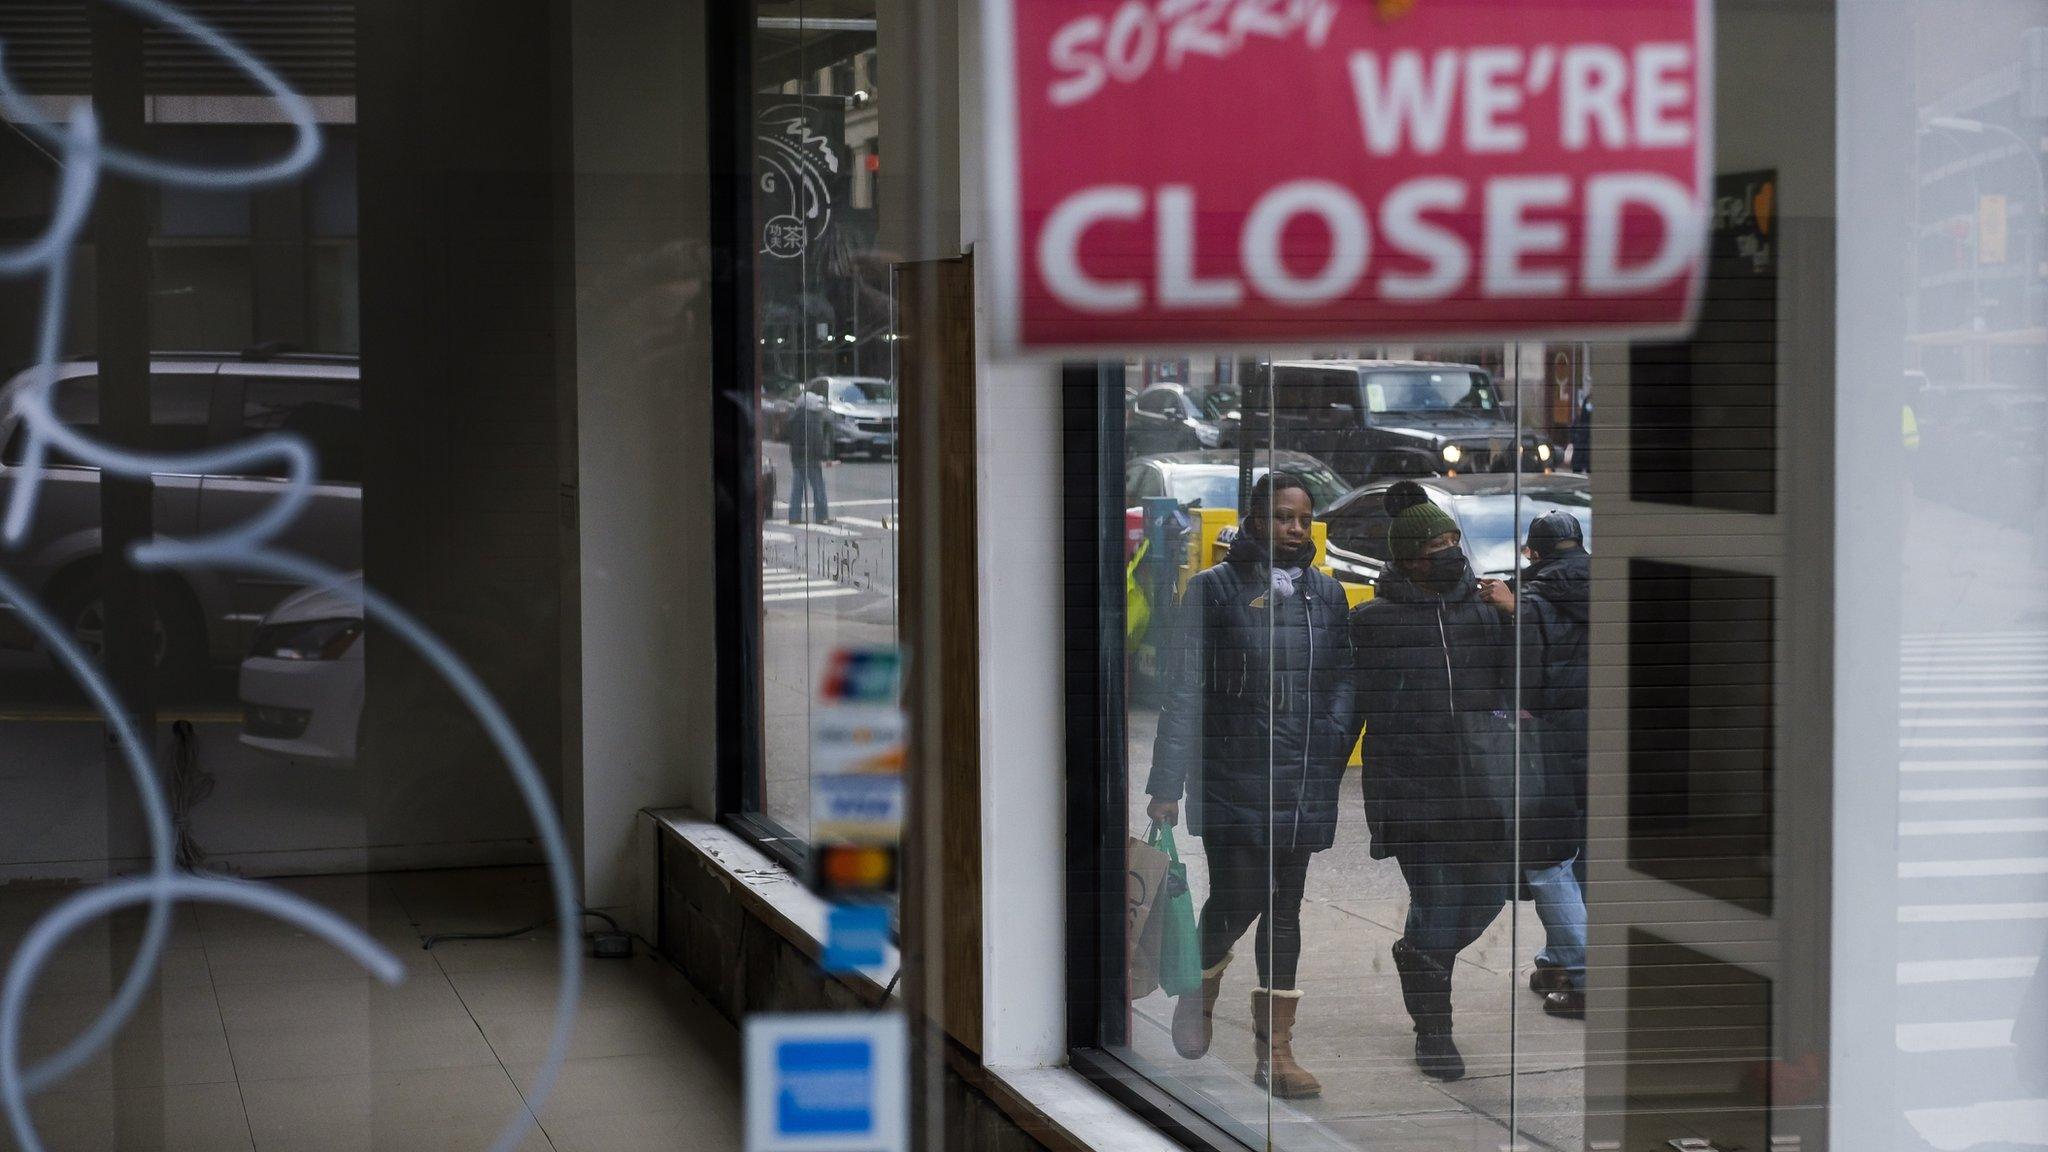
{"x": 1426, "y": 990}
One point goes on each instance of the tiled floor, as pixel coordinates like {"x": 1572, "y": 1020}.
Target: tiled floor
{"x": 256, "y": 1036}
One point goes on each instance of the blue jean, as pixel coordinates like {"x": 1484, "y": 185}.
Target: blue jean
{"x": 1561, "y": 905}
{"x": 807, "y": 473}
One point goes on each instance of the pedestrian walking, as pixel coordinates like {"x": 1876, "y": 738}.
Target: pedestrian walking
{"x": 1582, "y": 435}
{"x": 810, "y": 442}
{"x": 1551, "y": 634}
{"x": 1435, "y": 689}
{"x": 1256, "y": 727}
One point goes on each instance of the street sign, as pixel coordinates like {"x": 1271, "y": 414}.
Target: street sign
{"x": 1277, "y": 173}
{"x": 827, "y": 1082}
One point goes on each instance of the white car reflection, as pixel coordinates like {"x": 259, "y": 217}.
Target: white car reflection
{"x": 302, "y": 684}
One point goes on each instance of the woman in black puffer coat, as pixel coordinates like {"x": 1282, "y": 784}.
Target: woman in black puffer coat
{"x": 1436, "y": 694}
{"x": 1256, "y": 728}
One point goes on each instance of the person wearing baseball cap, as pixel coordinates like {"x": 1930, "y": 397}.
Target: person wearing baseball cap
{"x": 1436, "y": 693}
{"x": 1553, "y": 616}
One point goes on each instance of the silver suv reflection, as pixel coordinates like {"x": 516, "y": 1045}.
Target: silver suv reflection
{"x": 204, "y": 618}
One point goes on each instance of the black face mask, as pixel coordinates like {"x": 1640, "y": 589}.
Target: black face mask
{"x": 1445, "y": 570}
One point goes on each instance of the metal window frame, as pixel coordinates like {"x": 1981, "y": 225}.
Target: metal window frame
{"x": 1097, "y": 763}
{"x": 735, "y": 463}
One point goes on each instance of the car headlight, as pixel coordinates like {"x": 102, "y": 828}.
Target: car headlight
{"x": 306, "y": 639}
{"x": 1453, "y": 453}
{"x": 1543, "y": 453}
{"x": 1207, "y": 435}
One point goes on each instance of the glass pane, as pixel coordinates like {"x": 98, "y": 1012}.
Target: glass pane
{"x": 826, "y": 367}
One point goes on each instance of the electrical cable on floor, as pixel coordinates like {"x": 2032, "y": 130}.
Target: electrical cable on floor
{"x": 427, "y": 942}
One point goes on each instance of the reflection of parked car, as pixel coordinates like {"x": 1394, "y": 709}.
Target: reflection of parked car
{"x": 196, "y": 401}
{"x": 1209, "y": 479}
{"x": 1484, "y": 506}
{"x": 860, "y": 413}
{"x": 1373, "y": 418}
{"x": 1168, "y": 418}
{"x": 302, "y": 685}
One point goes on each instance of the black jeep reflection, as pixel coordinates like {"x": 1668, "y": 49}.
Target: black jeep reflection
{"x": 1373, "y": 418}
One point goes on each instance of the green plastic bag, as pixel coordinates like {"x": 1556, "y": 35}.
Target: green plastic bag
{"x": 1180, "y": 948}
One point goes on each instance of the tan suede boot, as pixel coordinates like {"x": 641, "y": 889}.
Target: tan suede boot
{"x": 1194, "y": 1015}
{"x": 1273, "y": 1028}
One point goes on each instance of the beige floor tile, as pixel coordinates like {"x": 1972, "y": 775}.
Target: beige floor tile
{"x": 229, "y": 926}
{"x": 144, "y": 1060}
{"x": 538, "y": 951}
{"x": 523, "y": 1037}
{"x": 308, "y": 1003}
{"x": 640, "y": 982}
{"x": 385, "y": 1044}
{"x": 176, "y": 1009}
{"x": 297, "y": 959}
{"x": 120, "y": 932}
{"x": 624, "y": 1085}
{"x": 712, "y": 1129}
{"x": 442, "y": 1108}
{"x": 103, "y": 971}
{"x": 187, "y": 1118}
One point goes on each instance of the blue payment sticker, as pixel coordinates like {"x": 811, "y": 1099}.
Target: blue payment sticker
{"x": 827, "y": 1087}
{"x": 856, "y": 937}
{"x": 827, "y": 1082}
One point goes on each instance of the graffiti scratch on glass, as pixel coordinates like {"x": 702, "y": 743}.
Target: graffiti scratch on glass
{"x": 246, "y": 546}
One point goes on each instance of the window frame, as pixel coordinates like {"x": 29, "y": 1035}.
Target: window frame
{"x": 735, "y": 450}
{"x": 1095, "y": 420}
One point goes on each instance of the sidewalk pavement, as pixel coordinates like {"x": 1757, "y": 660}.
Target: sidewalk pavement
{"x": 1353, "y": 1032}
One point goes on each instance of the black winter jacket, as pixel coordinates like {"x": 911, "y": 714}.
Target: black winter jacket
{"x": 1258, "y": 721}
{"x": 1435, "y": 685}
{"x": 1555, "y": 611}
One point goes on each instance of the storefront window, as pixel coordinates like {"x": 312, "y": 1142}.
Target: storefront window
{"x": 825, "y": 377}
{"x": 1440, "y": 812}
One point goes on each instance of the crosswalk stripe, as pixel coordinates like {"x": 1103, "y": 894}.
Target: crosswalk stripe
{"x": 1986, "y": 689}
{"x": 1988, "y": 1123}
{"x": 815, "y": 594}
{"x": 1978, "y": 661}
{"x": 1955, "y": 1036}
{"x": 1969, "y": 913}
{"x": 2036, "y": 702}
{"x": 1973, "y": 766}
{"x": 1961, "y": 971}
{"x": 2015, "y": 866}
{"x": 1968, "y": 827}
{"x": 2034, "y": 679}
{"x": 1970, "y": 795}
{"x": 1978, "y": 742}
{"x": 1977, "y": 722}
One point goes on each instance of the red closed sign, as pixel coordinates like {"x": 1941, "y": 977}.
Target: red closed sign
{"x": 1277, "y": 173}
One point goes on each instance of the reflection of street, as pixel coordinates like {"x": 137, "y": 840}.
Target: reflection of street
{"x": 1353, "y": 1032}
{"x": 1973, "y": 887}
{"x": 823, "y": 586}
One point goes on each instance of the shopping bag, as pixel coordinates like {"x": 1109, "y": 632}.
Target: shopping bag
{"x": 1145, "y": 874}
{"x": 1180, "y": 950}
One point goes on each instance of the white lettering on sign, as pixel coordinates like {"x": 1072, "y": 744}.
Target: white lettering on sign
{"x": 1523, "y": 235}
{"x": 1088, "y": 51}
{"x": 1253, "y": 172}
{"x": 1405, "y": 102}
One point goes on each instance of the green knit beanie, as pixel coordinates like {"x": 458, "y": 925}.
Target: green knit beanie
{"x": 1415, "y": 526}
